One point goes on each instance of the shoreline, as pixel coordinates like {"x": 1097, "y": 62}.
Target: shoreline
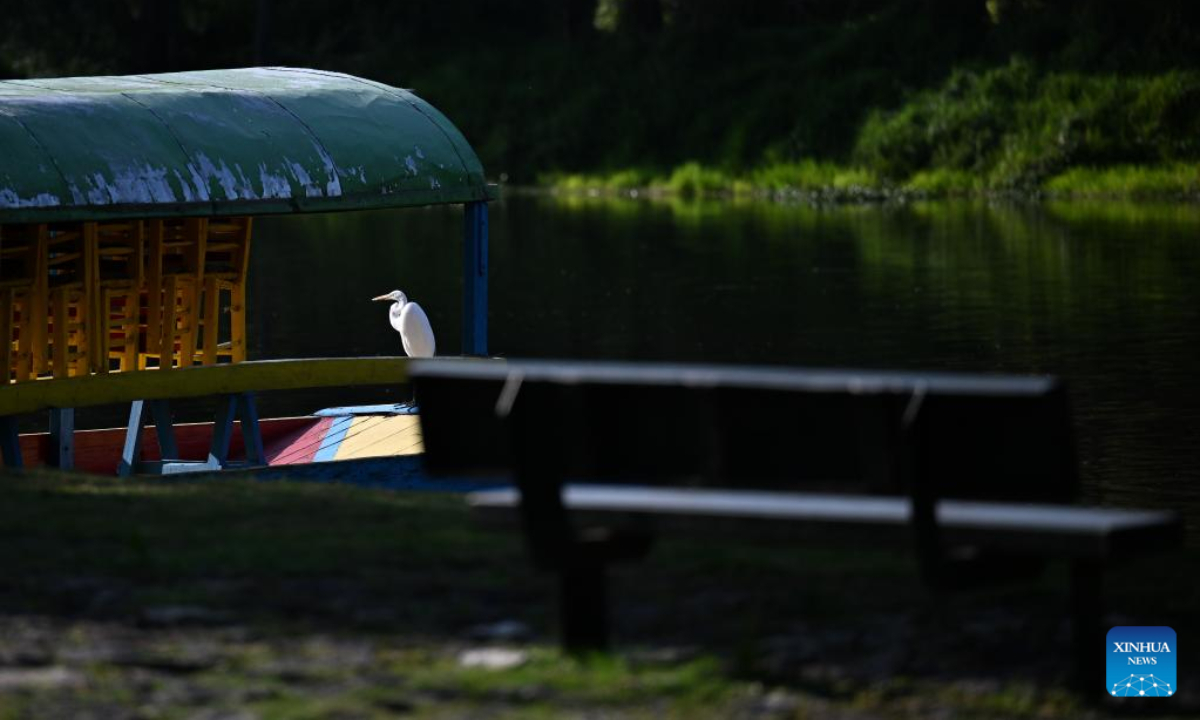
{"x": 1179, "y": 183}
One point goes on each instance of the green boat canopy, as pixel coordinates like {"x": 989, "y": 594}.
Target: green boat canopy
{"x": 224, "y": 142}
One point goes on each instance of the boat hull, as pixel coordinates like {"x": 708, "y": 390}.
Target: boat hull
{"x": 286, "y": 441}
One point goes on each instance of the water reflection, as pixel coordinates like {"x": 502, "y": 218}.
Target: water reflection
{"x": 1101, "y": 293}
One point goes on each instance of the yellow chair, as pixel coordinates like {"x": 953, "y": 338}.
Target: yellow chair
{"x": 23, "y": 301}
{"x": 174, "y": 280}
{"x": 71, "y": 264}
{"x": 227, "y": 257}
{"x": 120, "y": 276}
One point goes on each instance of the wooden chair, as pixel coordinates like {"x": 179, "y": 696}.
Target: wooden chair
{"x": 174, "y": 280}
{"x": 227, "y": 257}
{"x": 72, "y": 280}
{"x": 120, "y": 285}
{"x": 92, "y": 297}
{"x": 23, "y": 301}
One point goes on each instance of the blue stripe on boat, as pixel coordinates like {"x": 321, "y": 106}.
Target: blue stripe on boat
{"x": 333, "y": 439}
{"x": 397, "y": 409}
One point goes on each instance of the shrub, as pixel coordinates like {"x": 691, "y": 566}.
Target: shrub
{"x": 693, "y": 180}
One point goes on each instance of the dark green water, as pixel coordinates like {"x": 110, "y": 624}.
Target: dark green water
{"x": 1104, "y": 294}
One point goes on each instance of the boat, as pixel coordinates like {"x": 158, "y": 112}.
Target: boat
{"x": 330, "y": 435}
{"x": 126, "y": 215}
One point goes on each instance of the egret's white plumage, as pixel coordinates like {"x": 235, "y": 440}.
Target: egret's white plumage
{"x": 410, "y": 321}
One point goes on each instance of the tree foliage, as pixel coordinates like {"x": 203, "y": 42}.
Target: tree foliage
{"x": 542, "y": 85}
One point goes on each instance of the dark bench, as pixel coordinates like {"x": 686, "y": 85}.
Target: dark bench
{"x": 976, "y": 473}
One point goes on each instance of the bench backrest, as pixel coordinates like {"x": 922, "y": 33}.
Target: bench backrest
{"x": 966, "y": 436}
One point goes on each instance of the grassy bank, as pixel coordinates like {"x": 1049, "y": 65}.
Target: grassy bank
{"x": 871, "y": 107}
{"x": 1011, "y": 129}
{"x": 150, "y": 599}
{"x": 821, "y": 180}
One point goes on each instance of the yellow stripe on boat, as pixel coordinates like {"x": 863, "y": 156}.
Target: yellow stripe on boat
{"x": 381, "y": 435}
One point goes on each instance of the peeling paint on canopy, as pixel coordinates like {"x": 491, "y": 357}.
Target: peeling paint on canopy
{"x": 224, "y": 142}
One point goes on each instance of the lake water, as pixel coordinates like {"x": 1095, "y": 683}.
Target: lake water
{"x": 1104, "y": 294}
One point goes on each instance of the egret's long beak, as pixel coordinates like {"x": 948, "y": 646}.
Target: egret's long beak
{"x": 382, "y": 297}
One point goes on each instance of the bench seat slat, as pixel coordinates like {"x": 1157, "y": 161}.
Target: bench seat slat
{"x": 1070, "y": 531}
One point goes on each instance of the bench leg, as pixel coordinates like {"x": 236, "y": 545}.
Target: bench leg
{"x": 583, "y": 607}
{"x": 1087, "y": 632}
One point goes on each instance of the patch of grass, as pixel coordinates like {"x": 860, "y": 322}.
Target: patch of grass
{"x": 296, "y": 706}
{"x": 15, "y": 708}
{"x": 616, "y": 182}
{"x": 1132, "y": 181}
{"x": 434, "y": 683}
{"x": 571, "y": 182}
{"x": 970, "y": 700}
{"x": 692, "y": 180}
{"x": 943, "y": 182}
{"x": 597, "y": 680}
{"x": 1013, "y": 700}
{"x": 164, "y": 523}
{"x": 803, "y": 175}
{"x": 253, "y": 547}
{"x": 631, "y": 179}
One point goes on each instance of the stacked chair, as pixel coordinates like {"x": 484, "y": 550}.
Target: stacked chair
{"x": 71, "y": 262}
{"x": 177, "y": 259}
{"x": 121, "y": 261}
{"x": 23, "y": 297}
{"x": 99, "y": 297}
{"x": 227, "y": 257}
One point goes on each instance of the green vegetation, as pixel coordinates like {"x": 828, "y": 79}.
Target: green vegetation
{"x": 833, "y": 182}
{"x": 692, "y": 180}
{"x": 1133, "y": 181}
{"x": 1001, "y": 130}
{"x": 1017, "y": 128}
{"x": 864, "y": 99}
{"x": 546, "y": 680}
{"x": 599, "y": 680}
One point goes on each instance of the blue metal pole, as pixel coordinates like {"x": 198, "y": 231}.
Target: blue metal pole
{"x": 251, "y": 434}
{"x": 475, "y": 278}
{"x": 164, "y": 427}
{"x": 10, "y": 442}
{"x": 131, "y": 454}
{"x": 62, "y": 439}
{"x": 218, "y": 453}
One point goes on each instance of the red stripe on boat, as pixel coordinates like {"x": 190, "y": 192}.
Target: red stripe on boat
{"x": 299, "y": 446}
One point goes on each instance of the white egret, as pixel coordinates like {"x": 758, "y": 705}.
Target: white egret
{"x": 410, "y": 321}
